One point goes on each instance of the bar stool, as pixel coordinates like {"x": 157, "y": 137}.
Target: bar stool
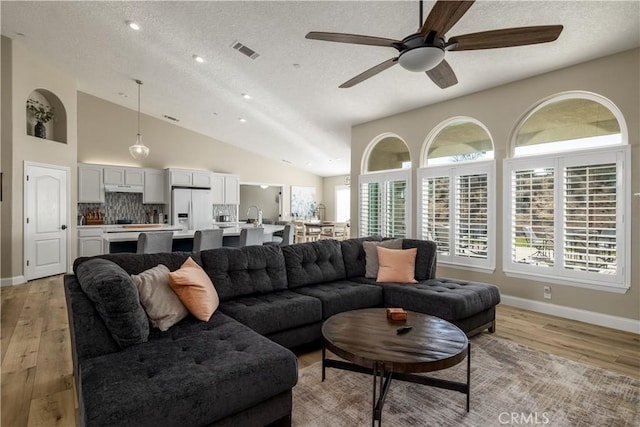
{"x": 251, "y": 236}
{"x": 156, "y": 242}
{"x": 207, "y": 239}
{"x": 285, "y": 239}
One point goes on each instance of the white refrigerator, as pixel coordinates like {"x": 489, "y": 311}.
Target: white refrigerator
{"x": 192, "y": 209}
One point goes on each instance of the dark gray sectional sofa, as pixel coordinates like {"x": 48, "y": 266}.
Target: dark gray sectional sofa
{"x": 236, "y": 368}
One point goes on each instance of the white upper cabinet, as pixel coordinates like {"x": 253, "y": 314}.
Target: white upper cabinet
{"x": 189, "y": 178}
{"x": 226, "y": 189}
{"x": 90, "y": 184}
{"x": 154, "y": 187}
{"x": 123, "y": 176}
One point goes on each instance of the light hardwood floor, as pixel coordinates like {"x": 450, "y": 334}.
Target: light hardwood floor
{"x": 37, "y": 374}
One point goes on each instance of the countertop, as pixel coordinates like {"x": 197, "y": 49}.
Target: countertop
{"x": 130, "y": 236}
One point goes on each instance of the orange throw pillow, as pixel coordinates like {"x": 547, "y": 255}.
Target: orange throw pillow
{"x": 397, "y": 265}
{"x": 195, "y": 290}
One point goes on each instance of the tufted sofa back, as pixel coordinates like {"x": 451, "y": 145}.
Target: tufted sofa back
{"x": 353, "y": 255}
{"x": 137, "y": 263}
{"x": 237, "y": 272}
{"x": 314, "y": 262}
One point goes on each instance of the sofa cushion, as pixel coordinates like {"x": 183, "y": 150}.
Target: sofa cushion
{"x": 275, "y": 311}
{"x": 371, "y": 255}
{"x": 354, "y": 256}
{"x": 162, "y": 305}
{"x": 116, "y": 299}
{"x": 396, "y": 265}
{"x": 137, "y": 263}
{"x": 238, "y": 272}
{"x": 425, "y": 259}
{"x": 343, "y": 295}
{"x": 313, "y": 262}
{"x": 449, "y": 299}
{"x": 195, "y": 290}
{"x": 193, "y": 374}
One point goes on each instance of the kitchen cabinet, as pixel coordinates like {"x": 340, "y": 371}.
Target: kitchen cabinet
{"x": 90, "y": 241}
{"x": 189, "y": 178}
{"x": 154, "y": 187}
{"x": 226, "y": 189}
{"x": 90, "y": 184}
{"x": 123, "y": 176}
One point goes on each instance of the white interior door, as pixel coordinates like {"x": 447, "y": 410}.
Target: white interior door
{"x": 46, "y": 222}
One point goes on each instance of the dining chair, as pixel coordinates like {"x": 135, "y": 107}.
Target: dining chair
{"x": 155, "y": 242}
{"x": 207, "y": 239}
{"x": 251, "y": 236}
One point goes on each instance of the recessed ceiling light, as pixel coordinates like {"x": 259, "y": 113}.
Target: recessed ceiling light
{"x": 198, "y": 58}
{"x": 297, "y": 65}
{"x": 246, "y": 96}
{"x": 308, "y": 163}
{"x": 19, "y": 34}
{"x": 133, "y": 25}
{"x": 215, "y": 114}
{"x": 330, "y": 160}
{"x": 242, "y": 120}
{"x": 122, "y": 94}
{"x": 286, "y": 161}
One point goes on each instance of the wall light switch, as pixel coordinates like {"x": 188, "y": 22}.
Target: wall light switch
{"x": 547, "y": 292}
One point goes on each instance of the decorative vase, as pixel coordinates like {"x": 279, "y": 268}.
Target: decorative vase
{"x": 40, "y": 131}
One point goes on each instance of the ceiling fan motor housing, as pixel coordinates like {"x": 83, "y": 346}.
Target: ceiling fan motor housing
{"x": 421, "y": 52}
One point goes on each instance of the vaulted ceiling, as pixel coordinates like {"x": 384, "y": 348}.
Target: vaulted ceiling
{"x": 296, "y": 112}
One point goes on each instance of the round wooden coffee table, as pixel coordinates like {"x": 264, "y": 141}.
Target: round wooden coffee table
{"x": 372, "y": 345}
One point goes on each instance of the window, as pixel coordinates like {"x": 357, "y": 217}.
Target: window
{"x": 388, "y": 153}
{"x": 456, "y": 208}
{"x": 566, "y": 206}
{"x": 343, "y": 203}
{"x": 457, "y": 212}
{"x": 384, "y": 201}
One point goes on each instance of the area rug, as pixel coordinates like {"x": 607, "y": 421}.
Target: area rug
{"x": 510, "y": 385}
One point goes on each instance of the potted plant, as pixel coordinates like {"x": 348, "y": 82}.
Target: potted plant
{"x": 42, "y": 113}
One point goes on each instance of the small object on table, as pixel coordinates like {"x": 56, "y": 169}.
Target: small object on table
{"x": 396, "y": 314}
{"x": 403, "y": 329}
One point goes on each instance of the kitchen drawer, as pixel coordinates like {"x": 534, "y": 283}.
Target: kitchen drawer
{"x": 90, "y": 232}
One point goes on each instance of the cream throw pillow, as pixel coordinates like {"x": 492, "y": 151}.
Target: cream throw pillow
{"x": 371, "y": 255}
{"x": 397, "y": 265}
{"x": 195, "y": 290}
{"x": 162, "y": 305}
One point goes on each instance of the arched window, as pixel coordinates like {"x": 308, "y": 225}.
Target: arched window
{"x": 456, "y": 207}
{"x": 458, "y": 140}
{"x": 384, "y": 195}
{"x": 567, "y": 193}
{"x": 388, "y": 153}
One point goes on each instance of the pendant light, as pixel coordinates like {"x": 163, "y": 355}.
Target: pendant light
{"x": 138, "y": 150}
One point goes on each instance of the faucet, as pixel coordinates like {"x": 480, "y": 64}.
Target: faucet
{"x": 258, "y": 221}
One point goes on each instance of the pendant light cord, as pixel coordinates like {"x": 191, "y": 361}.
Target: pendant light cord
{"x": 139, "y": 84}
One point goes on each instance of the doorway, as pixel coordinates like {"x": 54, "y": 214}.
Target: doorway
{"x": 267, "y": 197}
{"x": 46, "y": 209}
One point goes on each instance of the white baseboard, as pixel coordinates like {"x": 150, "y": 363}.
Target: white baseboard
{"x": 12, "y": 281}
{"x": 607, "y": 320}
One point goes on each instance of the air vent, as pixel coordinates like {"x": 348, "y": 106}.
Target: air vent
{"x": 245, "y": 50}
{"x": 173, "y": 119}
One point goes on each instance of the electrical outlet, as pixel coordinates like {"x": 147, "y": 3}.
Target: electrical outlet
{"x": 547, "y": 292}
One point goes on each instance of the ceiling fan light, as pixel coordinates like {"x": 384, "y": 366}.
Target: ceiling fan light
{"x": 421, "y": 59}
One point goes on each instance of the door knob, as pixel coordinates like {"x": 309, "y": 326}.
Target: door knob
{"x": 64, "y": 227}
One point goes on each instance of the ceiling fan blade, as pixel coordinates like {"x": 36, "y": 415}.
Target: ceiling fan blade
{"x": 353, "y": 39}
{"x": 370, "y": 73}
{"x": 506, "y": 38}
{"x": 444, "y": 15}
{"x": 443, "y": 75}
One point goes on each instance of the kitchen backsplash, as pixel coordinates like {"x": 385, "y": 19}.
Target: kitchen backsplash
{"x": 229, "y": 210}
{"x": 122, "y": 206}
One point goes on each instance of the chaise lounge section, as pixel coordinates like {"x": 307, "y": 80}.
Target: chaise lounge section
{"x": 237, "y": 368}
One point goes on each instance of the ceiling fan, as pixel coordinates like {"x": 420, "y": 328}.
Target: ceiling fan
{"x": 425, "y": 50}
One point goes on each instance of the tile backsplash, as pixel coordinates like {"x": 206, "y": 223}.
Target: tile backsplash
{"x": 122, "y": 206}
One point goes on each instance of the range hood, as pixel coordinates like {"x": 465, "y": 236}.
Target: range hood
{"x": 113, "y": 188}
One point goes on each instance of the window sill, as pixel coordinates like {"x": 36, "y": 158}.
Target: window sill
{"x": 567, "y": 281}
{"x": 476, "y": 268}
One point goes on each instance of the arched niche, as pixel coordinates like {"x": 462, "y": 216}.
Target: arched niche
{"x": 56, "y": 128}
{"x": 386, "y": 152}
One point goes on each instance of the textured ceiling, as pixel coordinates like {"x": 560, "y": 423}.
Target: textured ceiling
{"x": 296, "y": 114}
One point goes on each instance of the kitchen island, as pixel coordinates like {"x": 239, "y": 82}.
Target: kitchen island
{"x": 182, "y": 239}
